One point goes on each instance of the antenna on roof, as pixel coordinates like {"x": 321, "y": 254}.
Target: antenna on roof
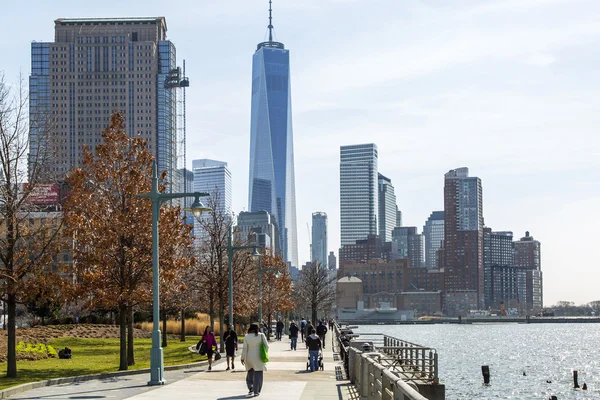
{"x": 270, "y": 23}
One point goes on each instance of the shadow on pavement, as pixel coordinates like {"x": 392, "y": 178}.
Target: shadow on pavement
{"x": 77, "y": 395}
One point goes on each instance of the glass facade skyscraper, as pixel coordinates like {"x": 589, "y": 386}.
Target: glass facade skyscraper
{"x": 388, "y": 210}
{"x": 433, "y": 230}
{"x": 359, "y": 194}
{"x": 319, "y": 238}
{"x": 272, "y": 183}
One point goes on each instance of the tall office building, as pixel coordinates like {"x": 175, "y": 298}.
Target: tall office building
{"x": 410, "y": 245}
{"x": 528, "y": 256}
{"x": 398, "y": 217}
{"x": 463, "y": 242}
{"x": 388, "y": 210}
{"x": 433, "y": 231}
{"x": 94, "y": 67}
{"x": 319, "y": 238}
{"x": 332, "y": 261}
{"x": 503, "y": 282}
{"x": 260, "y": 228}
{"x": 359, "y": 199}
{"x": 271, "y": 185}
{"x": 213, "y": 177}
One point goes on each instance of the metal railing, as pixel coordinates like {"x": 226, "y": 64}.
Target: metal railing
{"x": 374, "y": 372}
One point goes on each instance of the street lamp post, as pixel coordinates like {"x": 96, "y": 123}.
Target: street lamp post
{"x": 260, "y": 272}
{"x": 156, "y": 353}
{"x": 230, "y": 250}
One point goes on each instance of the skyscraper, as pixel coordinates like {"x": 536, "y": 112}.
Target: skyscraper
{"x": 96, "y": 66}
{"x": 271, "y": 184}
{"x": 503, "y": 282}
{"x": 409, "y": 245}
{"x": 528, "y": 255}
{"x": 463, "y": 242}
{"x": 387, "y": 208}
{"x": 319, "y": 238}
{"x": 359, "y": 200}
{"x": 433, "y": 231}
{"x": 211, "y": 176}
{"x": 332, "y": 261}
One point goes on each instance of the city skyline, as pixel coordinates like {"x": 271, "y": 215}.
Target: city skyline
{"x": 496, "y": 87}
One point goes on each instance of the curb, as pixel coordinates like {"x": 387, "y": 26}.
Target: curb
{"x": 82, "y": 378}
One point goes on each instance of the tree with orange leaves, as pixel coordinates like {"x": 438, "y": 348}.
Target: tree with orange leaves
{"x": 111, "y": 229}
{"x": 276, "y": 286}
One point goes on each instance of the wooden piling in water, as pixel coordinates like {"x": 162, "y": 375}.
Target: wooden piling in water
{"x": 575, "y": 383}
{"x": 485, "y": 371}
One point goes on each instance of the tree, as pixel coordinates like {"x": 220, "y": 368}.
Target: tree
{"x": 29, "y": 232}
{"x": 315, "y": 289}
{"x": 595, "y": 306}
{"x": 276, "y": 288}
{"x": 111, "y": 228}
{"x": 212, "y": 270}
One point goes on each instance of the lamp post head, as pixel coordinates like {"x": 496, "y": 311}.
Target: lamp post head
{"x": 197, "y": 208}
{"x": 255, "y": 254}
{"x": 277, "y": 274}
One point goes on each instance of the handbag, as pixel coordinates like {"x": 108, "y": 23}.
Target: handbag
{"x": 264, "y": 354}
{"x": 203, "y": 349}
{"x": 217, "y": 356}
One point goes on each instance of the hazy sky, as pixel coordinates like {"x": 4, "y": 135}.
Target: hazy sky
{"x": 508, "y": 88}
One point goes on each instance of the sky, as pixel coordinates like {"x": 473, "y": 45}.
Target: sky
{"x": 508, "y": 88}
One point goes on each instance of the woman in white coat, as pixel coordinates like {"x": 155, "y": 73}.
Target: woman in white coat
{"x": 251, "y": 359}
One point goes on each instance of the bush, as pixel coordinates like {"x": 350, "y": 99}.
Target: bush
{"x": 28, "y": 351}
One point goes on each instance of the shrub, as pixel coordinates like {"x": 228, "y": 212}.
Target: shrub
{"x": 28, "y": 351}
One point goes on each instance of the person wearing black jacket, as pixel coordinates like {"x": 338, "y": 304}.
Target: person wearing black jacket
{"x": 321, "y": 331}
{"x": 231, "y": 345}
{"x": 293, "y": 335}
{"x": 314, "y": 346}
{"x": 309, "y": 329}
{"x": 279, "y": 330}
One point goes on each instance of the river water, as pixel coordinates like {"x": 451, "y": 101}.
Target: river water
{"x": 546, "y": 353}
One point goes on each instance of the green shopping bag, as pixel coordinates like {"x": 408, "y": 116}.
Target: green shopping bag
{"x": 264, "y": 354}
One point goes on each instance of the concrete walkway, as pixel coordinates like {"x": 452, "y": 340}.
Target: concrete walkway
{"x": 286, "y": 378}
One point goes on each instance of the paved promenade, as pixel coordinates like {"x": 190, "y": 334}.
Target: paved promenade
{"x": 286, "y": 378}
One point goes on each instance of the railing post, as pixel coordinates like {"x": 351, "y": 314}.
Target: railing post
{"x": 436, "y": 380}
{"x": 430, "y": 371}
{"x": 423, "y": 369}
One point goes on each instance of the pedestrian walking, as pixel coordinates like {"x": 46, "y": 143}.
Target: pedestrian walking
{"x": 321, "y": 331}
{"x": 208, "y": 337}
{"x": 294, "y": 335}
{"x": 279, "y": 328}
{"x": 231, "y": 345}
{"x": 302, "y": 328}
{"x": 308, "y": 331}
{"x": 252, "y": 359}
{"x": 313, "y": 343}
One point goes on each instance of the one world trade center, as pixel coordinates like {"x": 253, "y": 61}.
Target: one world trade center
{"x": 271, "y": 185}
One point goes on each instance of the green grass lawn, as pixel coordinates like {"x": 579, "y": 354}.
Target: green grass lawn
{"x": 93, "y": 356}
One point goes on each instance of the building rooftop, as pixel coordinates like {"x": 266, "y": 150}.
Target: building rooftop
{"x": 348, "y": 279}
{"x": 110, "y": 21}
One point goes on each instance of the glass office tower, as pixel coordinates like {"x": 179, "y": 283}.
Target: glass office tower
{"x": 271, "y": 184}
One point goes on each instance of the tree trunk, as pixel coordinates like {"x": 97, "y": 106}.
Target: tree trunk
{"x": 211, "y": 311}
{"x": 182, "y": 336}
{"x": 11, "y": 365}
{"x": 130, "y": 353}
{"x": 164, "y": 328}
{"x": 221, "y": 323}
{"x": 314, "y": 313}
{"x": 122, "y": 338}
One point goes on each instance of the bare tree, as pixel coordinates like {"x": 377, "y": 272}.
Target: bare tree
{"x": 212, "y": 271}
{"x": 29, "y": 229}
{"x": 314, "y": 290}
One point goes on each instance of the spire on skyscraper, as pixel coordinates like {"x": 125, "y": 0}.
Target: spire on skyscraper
{"x": 270, "y": 23}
